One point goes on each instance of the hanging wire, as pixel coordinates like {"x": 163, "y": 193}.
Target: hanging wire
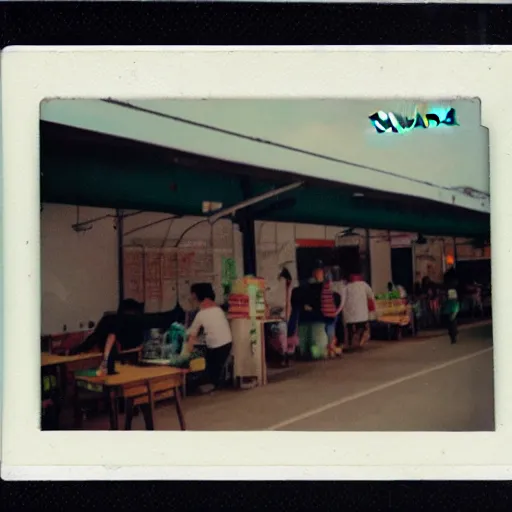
{"x": 259, "y": 140}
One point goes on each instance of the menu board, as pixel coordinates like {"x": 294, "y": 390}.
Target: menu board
{"x": 133, "y": 263}
{"x": 169, "y": 265}
{"x": 153, "y": 275}
{"x": 160, "y": 276}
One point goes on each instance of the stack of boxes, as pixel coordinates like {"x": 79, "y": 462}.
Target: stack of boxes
{"x": 247, "y": 299}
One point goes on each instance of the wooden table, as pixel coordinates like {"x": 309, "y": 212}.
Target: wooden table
{"x": 196, "y": 366}
{"x": 62, "y": 364}
{"x": 53, "y": 359}
{"x": 52, "y": 364}
{"x": 139, "y": 386}
{"x": 48, "y": 359}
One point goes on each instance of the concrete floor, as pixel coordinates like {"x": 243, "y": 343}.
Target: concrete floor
{"x": 418, "y": 385}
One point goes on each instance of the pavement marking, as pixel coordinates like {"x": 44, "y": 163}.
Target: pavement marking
{"x": 380, "y": 387}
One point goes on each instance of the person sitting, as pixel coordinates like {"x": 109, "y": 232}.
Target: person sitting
{"x": 217, "y": 332}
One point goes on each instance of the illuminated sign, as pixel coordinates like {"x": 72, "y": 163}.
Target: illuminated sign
{"x": 389, "y": 122}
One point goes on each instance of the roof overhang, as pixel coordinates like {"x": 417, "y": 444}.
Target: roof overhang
{"x": 90, "y": 168}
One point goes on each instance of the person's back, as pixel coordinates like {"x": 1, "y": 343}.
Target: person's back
{"x": 451, "y": 304}
{"x": 212, "y": 319}
{"x": 357, "y": 294}
{"x": 215, "y": 325}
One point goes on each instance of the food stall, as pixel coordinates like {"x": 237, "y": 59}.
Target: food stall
{"x": 393, "y": 313}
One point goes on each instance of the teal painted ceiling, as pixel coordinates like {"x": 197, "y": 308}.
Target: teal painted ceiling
{"x": 92, "y": 171}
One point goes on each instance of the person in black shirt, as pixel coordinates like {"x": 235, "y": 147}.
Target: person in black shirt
{"x": 115, "y": 333}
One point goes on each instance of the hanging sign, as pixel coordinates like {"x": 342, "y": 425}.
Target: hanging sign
{"x": 390, "y": 122}
{"x": 228, "y": 271}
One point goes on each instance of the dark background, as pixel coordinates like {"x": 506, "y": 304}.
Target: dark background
{"x": 101, "y": 23}
{"x": 247, "y": 24}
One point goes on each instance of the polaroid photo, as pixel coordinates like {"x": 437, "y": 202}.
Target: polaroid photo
{"x": 269, "y": 263}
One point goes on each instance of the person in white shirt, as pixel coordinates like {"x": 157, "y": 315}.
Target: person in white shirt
{"x": 217, "y": 333}
{"x": 356, "y": 311}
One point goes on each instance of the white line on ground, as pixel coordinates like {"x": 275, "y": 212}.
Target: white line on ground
{"x": 386, "y": 385}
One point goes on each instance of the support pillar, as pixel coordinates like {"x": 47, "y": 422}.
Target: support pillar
{"x": 120, "y": 254}
{"x": 368, "y": 257}
{"x": 247, "y": 228}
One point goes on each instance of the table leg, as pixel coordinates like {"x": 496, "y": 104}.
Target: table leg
{"x": 148, "y": 409}
{"x": 63, "y": 380}
{"x": 184, "y": 386}
{"x": 76, "y": 407}
{"x": 129, "y": 414}
{"x": 114, "y": 413}
{"x": 179, "y": 410}
{"x": 147, "y": 413}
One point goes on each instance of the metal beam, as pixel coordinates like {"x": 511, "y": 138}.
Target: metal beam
{"x": 86, "y": 223}
{"x": 253, "y": 200}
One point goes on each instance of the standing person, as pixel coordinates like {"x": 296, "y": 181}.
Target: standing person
{"x": 431, "y": 292}
{"x": 475, "y": 296}
{"x": 291, "y": 315}
{"x": 219, "y": 341}
{"x": 450, "y": 311}
{"x": 336, "y": 344}
{"x": 358, "y": 296}
{"x": 330, "y": 310}
{"x": 317, "y": 311}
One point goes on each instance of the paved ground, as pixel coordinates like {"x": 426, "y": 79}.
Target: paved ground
{"x": 417, "y": 385}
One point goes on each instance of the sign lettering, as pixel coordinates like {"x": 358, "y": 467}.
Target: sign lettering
{"x": 389, "y": 122}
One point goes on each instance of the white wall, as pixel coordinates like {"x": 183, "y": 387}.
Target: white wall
{"x": 380, "y": 261}
{"x": 78, "y": 270}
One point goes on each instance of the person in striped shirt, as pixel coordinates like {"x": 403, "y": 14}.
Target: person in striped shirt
{"x": 331, "y": 311}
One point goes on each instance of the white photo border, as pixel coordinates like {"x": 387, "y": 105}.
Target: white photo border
{"x": 31, "y": 74}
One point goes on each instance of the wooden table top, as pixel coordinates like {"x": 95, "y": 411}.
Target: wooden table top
{"x": 54, "y": 359}
{"x": 129, "y": 374}
{"x": 48, "y": 359}
{"x": 196, "y": 365}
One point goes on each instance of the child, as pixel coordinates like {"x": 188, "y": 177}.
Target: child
{"x": 450, "y": 310}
